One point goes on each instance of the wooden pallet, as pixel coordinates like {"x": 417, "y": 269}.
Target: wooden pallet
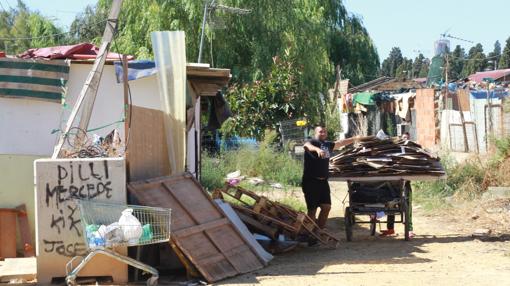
{"x": 199, "y": 228}
{"x": 273, "y": 218}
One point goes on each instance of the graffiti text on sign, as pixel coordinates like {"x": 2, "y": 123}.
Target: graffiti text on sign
{"x": 61, "y": 248}
{"x": 80, "y": 180}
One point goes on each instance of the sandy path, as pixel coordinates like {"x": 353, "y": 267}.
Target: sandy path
{"x": 442, "y": 253}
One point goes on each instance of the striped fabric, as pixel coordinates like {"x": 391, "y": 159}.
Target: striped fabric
{"x": 37, "y": 79}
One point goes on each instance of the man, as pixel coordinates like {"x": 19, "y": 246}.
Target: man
{"x": 315, "y": 174}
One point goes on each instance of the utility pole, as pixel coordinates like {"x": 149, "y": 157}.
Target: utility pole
{"x": 89, "y": 89}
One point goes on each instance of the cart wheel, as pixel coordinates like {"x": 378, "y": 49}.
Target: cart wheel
{"x": 406, "y": 221}
{"x": 70, "y": 282}
{"x": 373, "y": 224}
{"x": 153, "y": 281}
{"x": 348, "y": 218}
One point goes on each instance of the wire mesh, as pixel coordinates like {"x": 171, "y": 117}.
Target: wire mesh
{"x": 290, "y": 131}
{"x": 110, "y": 225}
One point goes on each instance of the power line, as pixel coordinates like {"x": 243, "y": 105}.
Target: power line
{"x": 47, "y": 36}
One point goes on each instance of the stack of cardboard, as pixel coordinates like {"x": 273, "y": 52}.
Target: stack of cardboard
{"x": 373, "y": 157}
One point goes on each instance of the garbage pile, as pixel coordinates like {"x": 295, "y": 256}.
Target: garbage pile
{"x": 127, "y": 230}
{"x": 273, "y": 219}
{"x": 372, "y": 156}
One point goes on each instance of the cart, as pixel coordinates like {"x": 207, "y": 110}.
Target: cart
{"x": 103, "y": 231}
{"x": 371, "y": 195}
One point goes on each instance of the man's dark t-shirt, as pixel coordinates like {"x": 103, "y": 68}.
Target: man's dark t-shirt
{"x": 316, "y": 167}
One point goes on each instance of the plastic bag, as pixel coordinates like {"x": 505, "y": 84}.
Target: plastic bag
{"x": 130, "y": 226}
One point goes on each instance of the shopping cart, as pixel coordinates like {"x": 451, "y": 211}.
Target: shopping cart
{"x": 107, "y": 225}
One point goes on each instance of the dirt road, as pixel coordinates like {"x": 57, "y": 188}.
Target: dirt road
{"x": 442, "y": 253}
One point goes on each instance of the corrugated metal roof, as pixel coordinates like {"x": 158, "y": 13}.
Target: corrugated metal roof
{"x": 503, "y": 74}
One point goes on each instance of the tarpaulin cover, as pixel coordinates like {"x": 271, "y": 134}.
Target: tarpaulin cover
{"x": 136, "y": 70}
{"x": 482, "y": 94}
{"x": 364, "y": 98}
{"x": 83, "y": 51}
{"x": 34, "y": 78}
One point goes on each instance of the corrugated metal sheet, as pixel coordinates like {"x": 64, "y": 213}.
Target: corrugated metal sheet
{"x": 502, "y": 75}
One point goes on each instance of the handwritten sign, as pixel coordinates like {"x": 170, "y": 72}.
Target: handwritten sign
{"x": 59, "y": 231}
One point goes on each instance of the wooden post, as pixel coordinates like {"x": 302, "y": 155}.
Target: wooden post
{"x": 127, "y": 106}
{"x": 89, "y": 90}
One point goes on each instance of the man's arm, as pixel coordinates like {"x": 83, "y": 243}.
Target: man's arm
{"x": 311, "y": 148}
{"x": 343, "y": 142}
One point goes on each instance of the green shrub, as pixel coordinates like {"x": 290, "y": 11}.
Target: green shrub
{"x": 264, "y": 162}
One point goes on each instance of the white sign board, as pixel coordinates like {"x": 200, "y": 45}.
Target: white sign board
{"x": 59, "y": 233}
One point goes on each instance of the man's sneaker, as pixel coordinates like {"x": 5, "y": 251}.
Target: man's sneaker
{"x": 387, "y": 232}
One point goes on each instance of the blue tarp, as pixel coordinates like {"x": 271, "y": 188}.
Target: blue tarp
{"x": 136, "y": 70}
{"x": 482, "y": 94}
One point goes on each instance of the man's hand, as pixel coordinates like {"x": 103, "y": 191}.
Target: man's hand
{"x": 321, "y": 153}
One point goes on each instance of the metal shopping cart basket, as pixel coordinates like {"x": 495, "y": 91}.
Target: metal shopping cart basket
{"x": 107, "y": 225}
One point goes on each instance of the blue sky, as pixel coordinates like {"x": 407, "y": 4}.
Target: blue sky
{"x": 412, "y": 25}
{"x": 415, "y": 25}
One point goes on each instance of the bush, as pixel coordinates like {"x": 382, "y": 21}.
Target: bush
{"x": 469, "y": 179}
{"x": 265, "y": 162}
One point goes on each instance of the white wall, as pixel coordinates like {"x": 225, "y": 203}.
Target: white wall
{"x": 26, "y": 124}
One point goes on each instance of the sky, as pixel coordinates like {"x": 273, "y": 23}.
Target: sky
{"x": 412, "y": 25}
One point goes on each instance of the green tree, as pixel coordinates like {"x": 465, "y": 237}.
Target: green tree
{"x": 495, "y": 55}
{"x": 504, "y": 61}
{"x": 263, "y": 104}
{"x": 418, "y": 62}
{"x": 424, "y": 70}
{"x": 392, "y": 62}
{"x": 476, "y": 61}
{"x": 355, "y": 52}
{"x": 404, "y": 69}
{"x": 21, "y": 29}
{"x": 456, "y": 60}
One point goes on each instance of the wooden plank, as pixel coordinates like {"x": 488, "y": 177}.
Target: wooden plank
{"x": 18, "y": 268}
{"x": 272, "y": 232}
{"x": 24, "y": 228}
{"x": 200, "y": 228}
{"x": 147, "y": 154}
{"x": 388, "y": 178}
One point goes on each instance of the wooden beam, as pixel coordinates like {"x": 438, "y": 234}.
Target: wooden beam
{"x": 89, "y": 90}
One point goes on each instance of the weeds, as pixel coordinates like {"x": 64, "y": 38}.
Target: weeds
{"x": 467, "y": 180}
{"x": 264, "y": 162}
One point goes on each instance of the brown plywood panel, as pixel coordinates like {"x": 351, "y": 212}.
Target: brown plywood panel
{"x": 147, "y": 153}
{"x": 463, "y": 98}
{"x": 199, "y": 227}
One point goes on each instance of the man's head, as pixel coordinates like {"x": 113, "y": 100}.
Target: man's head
{"x": 321, "y": 133}
{"x": 406, "y": 136}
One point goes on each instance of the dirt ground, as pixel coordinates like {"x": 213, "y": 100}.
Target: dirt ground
{"x": 443, "y": 252}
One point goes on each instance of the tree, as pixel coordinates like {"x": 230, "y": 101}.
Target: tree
{"x": 504, "y": 61}
{"x": 456, "y": 60}
{"x": 476, "y": 61}
{"x": 416, "y": 67}
{"x": 424, "y": 70}
{"x": 312, "y": 35}
{"x": 495, "y": 55}
{"x": 404, "y": 69}
{"x": 21, "y": 29}
{"x": 392, "y": 62}
{"x": 263, "y": 104}
{"x": 355, "y": 52}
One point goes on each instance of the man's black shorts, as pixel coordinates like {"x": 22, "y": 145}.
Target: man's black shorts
{"x": 316, "y": 192}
